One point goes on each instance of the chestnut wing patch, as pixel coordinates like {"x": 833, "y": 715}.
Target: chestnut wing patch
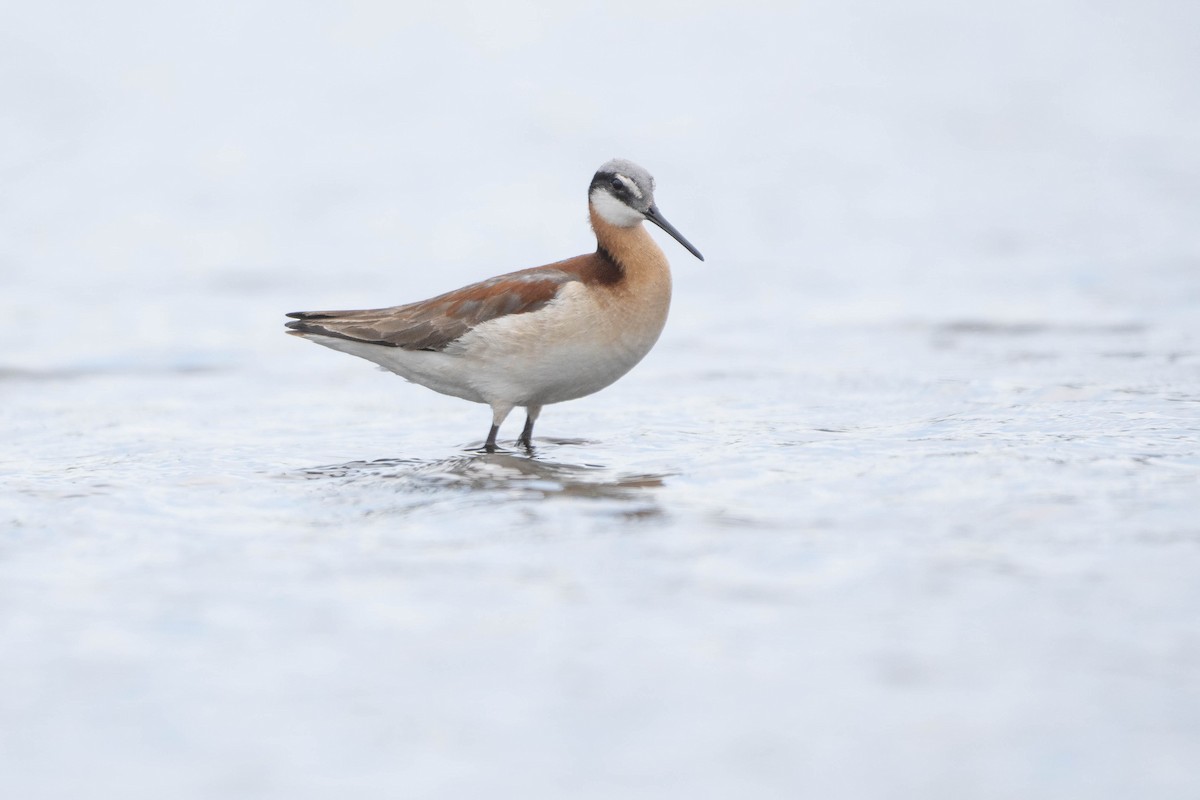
{"x": 435, "y": 323}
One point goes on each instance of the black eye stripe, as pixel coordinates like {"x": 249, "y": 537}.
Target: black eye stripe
{"x": 615, "y": 184}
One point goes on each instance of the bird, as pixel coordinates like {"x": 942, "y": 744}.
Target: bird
{"x": 536, "y": 336}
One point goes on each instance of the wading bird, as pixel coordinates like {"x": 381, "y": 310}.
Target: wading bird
{"x": 533, "y": 337}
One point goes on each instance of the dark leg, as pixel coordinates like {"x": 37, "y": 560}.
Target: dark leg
{"x": 499, "y": 412}
{"x": 526, "y": 439}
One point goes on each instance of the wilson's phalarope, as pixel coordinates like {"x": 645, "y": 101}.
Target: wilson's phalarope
{"x": 533, "y": 337}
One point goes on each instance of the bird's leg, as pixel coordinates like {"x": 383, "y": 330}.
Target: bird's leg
{"x": 531, "y": 415}
{"x": 526, "y": 438}
{"x": 498, "y": 415}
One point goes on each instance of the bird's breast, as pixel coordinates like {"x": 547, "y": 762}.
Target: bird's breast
{"x": 582, "y": 341}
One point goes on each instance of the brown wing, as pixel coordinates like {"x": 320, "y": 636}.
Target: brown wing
{"x": 435, "y": 323}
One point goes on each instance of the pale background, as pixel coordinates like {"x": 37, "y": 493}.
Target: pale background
{"x": 906, "y": 503}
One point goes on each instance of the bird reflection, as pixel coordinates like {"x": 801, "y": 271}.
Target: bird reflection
{"x": 511, "y": 474}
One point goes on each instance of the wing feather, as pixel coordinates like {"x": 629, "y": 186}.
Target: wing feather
{"x": 435, "y": 323}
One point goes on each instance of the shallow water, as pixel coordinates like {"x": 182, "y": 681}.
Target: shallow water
{"x": 906, "y": 502}
{"x": 965, "y": 540}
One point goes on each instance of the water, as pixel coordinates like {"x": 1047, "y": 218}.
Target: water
{"x": 905, "y": 503}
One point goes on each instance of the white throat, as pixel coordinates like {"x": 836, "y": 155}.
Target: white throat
{"x": 613, "y": 211}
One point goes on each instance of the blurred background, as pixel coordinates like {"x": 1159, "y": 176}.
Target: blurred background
{"x": 904, "y": 504}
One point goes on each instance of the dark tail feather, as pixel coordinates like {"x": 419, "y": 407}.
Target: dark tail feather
{"x": 299, "y": 326}
{"x": 304, "y": 322}
{"x": 306, "y": 325}
{"x": 313, "y": 314}
{"x": 307, "y": 322}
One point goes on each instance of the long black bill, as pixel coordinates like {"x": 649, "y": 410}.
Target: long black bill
{"x": 657, "y": 218}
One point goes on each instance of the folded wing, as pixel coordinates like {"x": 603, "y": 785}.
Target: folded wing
{"x": 435, "y": 323}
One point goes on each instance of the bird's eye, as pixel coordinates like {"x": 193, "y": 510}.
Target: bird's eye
{"x": 617, "y": 184}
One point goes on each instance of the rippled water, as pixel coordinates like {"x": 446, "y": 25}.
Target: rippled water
{"x": 966, "y": 540}
{"x": 906, "y": 503}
